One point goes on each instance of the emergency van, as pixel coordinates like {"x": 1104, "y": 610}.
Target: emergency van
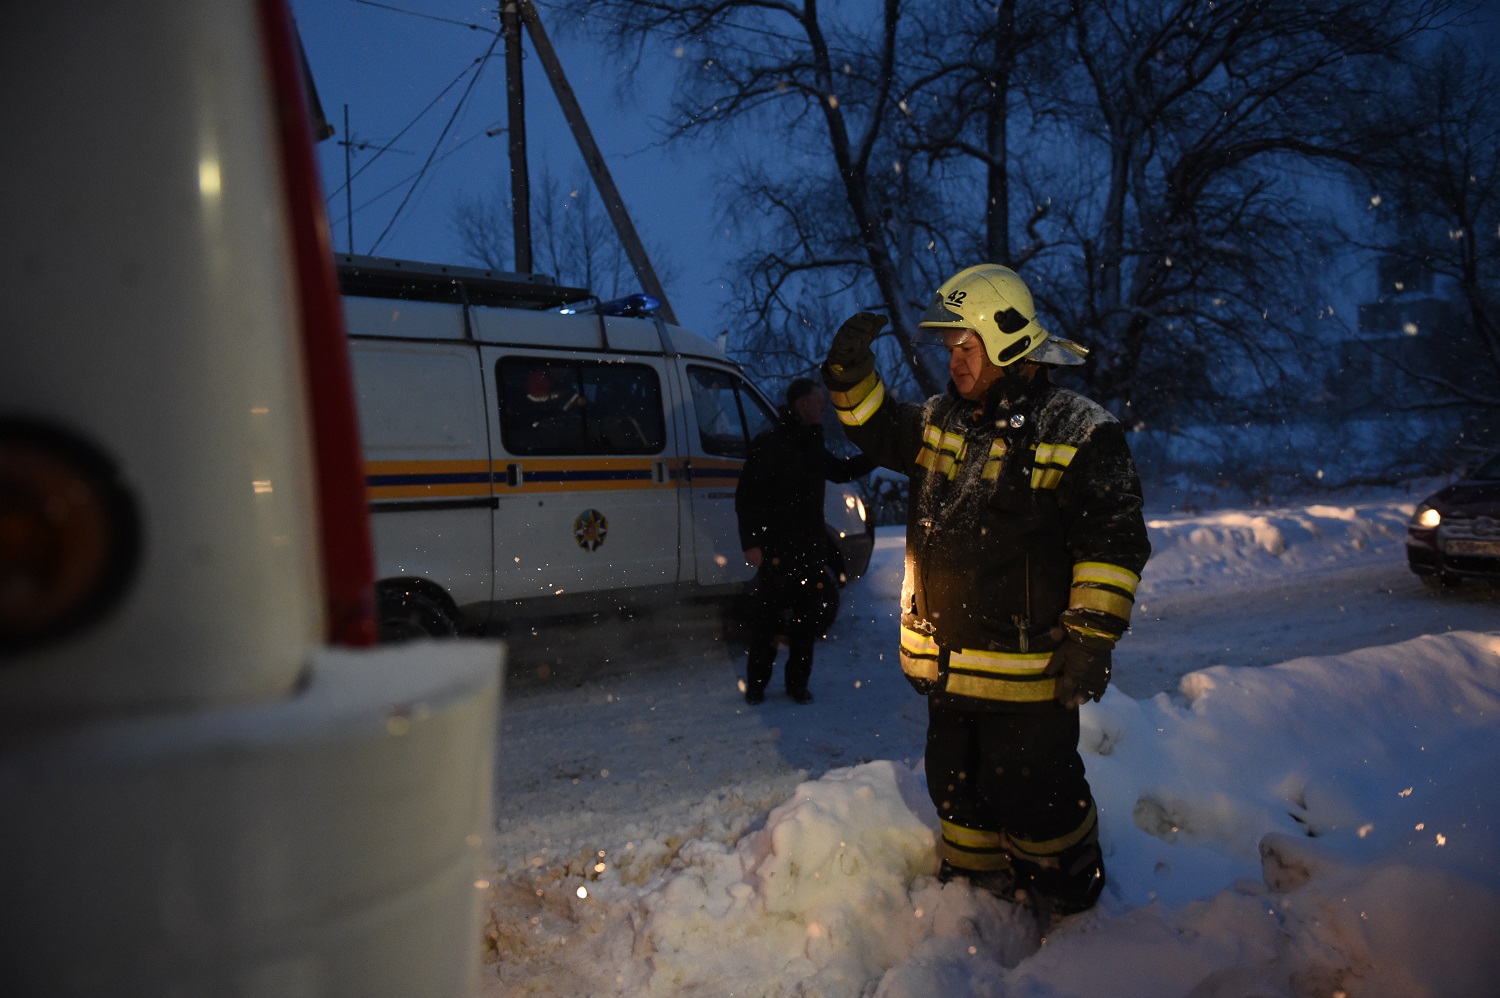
{"x": 530, "y": 450}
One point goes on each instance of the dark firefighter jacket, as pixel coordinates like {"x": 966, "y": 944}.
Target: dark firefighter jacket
{"x": 1022, "y": 509}
{"x": 779, "y": 500}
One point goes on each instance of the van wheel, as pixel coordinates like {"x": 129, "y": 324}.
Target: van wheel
{"x": 406, "y": 615}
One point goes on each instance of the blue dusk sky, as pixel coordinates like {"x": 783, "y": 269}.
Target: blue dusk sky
{"x": 406, "y": 71}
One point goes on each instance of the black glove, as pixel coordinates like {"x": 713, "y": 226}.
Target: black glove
{"x": 849, "y": 356}
{"x": 1082, "y": 665}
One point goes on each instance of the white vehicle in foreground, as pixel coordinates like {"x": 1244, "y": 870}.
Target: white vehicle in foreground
{"x": 207, "y": 785}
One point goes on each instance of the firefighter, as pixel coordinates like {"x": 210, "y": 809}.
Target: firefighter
{"x": 1024, "y": 546}
{"x": 779, "y": 505}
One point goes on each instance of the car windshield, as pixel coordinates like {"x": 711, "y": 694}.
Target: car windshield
{"x": 1489, "y": 470}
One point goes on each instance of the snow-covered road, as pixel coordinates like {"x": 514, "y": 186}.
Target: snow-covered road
{"x": 654, "y": 699}
{"x": 1320, "y": 611}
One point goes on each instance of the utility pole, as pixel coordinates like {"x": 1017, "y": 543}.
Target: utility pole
{"x": 593, "y": 159}
{"x": 515, "y": 98}
{"x": 348, "y": 180}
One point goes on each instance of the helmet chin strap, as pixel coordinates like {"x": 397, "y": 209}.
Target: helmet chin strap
{"x": 1011, "y": 379}
{"x": 1013, "y": 375}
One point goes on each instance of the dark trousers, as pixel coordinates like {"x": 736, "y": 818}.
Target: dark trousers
{"x": 1015, "y": 783}
{"x": 790, "y": 602}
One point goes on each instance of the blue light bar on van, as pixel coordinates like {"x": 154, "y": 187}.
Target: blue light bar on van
{"x": 630, "y": 306}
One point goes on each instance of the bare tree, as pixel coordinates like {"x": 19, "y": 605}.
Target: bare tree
{"x": 1199, "y": 110}
{"x": 572, "y": 235}
{"x": 822, "y": 86}
{"x": 1442, "y": 187}
{"x": 1151, "y": 166}
{"x": 986, "y": 69}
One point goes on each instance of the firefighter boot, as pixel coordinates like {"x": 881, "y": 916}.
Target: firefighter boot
{"x": 1072, "y": 882}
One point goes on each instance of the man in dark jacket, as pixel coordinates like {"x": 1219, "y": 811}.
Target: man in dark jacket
{"x": 779, "y": 503}
{"x": 1024, "y": 546}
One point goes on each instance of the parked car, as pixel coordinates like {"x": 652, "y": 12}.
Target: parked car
{"x": 1455, "y": 532}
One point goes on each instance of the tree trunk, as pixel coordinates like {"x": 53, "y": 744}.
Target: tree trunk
{"x": 997, "y": 213}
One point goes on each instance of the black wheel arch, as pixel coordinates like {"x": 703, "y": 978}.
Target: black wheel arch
{"x": 396, "y": 595}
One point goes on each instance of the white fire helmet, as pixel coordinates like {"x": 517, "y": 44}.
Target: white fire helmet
{"x": 994, "y": 302}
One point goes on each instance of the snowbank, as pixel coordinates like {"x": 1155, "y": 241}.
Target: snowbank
{"x": 1236, "y": 545}
{"x": 1320, "y": 827}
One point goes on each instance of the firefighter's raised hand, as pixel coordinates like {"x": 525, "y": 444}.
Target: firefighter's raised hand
{"x": 849, "y": 356}
{"x": 1082, "y": 665}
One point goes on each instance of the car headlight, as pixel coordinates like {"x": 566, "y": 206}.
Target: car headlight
{"x": 855, "y": 505}
{"x": 1427, "y": 518}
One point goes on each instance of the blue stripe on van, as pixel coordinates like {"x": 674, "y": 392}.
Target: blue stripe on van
{"x": 584, "y": 475}
{"x": 456, "y": 478}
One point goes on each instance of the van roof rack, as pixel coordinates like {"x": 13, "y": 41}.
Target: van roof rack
{"x": 381, "y": 277}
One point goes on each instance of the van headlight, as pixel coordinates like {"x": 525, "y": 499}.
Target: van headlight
{"x": 855, "y": 503}
{"x": 1427, "y": 518}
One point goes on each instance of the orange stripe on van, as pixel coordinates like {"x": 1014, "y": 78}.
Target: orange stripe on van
{"x": 426, "y": 479}
{"x": 467, "y": 479}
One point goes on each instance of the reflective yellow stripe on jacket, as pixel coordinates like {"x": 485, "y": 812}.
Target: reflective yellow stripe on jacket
{"x": 919, "y": 655}
{"x": 991, "y": 470}
{"x": 855, "y": 406}
{"x": 1015, "y": 677}
{"x": 1012, "y": 677}
{"x": 1049, "y": 463}
{"x": 941, "y": 452}
{"x": 1104, "y": 588}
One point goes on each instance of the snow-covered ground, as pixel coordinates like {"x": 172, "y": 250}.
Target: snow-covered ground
{"x": 1296, "y": 775}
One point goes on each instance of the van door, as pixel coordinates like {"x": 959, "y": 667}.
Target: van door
{"x": 422, "y": 424}
{"x": 584, "y": 471}
{"x": 727, "y": 414}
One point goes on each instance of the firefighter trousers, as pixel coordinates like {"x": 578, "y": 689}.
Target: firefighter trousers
{"x": 1014, "y": 802}
{"x": 788, "y": 602}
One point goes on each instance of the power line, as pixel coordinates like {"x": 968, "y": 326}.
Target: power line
{"x": 430, "y": 17}
{"x": 381, "y": 150}
{"x": 370, "y": 201}
{"x": 438, "y": 144}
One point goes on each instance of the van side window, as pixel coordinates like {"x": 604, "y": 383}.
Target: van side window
{"x": 730, "y": 415}
{"x": 550, "y": 406}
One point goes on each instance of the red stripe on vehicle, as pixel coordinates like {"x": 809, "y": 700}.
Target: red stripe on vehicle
{"x": 347, "y": 554}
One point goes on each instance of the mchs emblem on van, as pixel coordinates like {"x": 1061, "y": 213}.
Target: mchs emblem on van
{"x": 589, "y": 529}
